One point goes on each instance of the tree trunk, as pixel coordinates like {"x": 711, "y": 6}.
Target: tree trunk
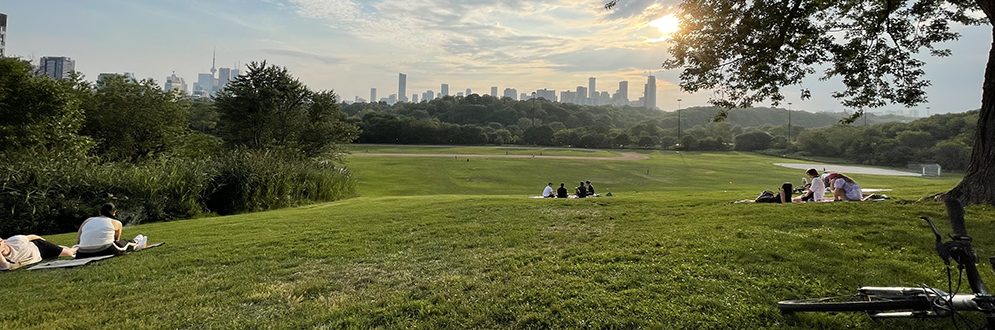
{"x": 978, "y": 185}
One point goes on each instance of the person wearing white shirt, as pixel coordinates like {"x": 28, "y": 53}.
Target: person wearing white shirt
{"x": 548, "y": 192}
{"x": 816, "y": 192}
{"x": 101, "y": 235}
{"x": 22, "y": 250}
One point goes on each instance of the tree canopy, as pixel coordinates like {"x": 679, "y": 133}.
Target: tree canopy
{"x": 747, "y": 51}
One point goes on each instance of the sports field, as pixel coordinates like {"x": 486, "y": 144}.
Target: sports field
{"x": 445, "y": 243}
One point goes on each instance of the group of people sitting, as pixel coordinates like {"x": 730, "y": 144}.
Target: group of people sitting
{"x": 581, "y": 191}
{"x": 97, "y": 236}
{"x": 843, "y": 188}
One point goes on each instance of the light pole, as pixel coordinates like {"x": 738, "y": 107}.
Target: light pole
{"x": 789, "y": 121}
{"x": 678, "y": 122}
{"x": 533, "y": 109}
{"x": 927, "y": 111}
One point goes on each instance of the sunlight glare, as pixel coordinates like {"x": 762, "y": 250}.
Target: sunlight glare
{"x": 667, "y": 24}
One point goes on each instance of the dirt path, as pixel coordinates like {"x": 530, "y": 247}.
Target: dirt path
{"x": 625, "y": 156}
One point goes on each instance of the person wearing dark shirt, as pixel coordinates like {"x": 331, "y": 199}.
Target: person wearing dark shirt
{"x": 590, "y": 189}
{"x": 561, "y": 192}
{"x": 581, "y": 191}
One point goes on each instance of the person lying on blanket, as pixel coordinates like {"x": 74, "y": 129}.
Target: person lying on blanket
{"x": 101, "y": 236}
{"x": 22, "y": 250}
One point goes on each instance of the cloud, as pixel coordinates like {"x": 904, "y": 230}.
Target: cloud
{"x": 330, "y": 60}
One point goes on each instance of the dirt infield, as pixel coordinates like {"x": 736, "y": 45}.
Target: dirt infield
{"x": 625, "y": 156}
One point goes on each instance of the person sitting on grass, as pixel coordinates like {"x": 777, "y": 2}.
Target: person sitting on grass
{"x": 783, "y": 196}
{"x": 844, "y": 188}
{"x": 22, "y": 250}
{"x": 816, "y": 191}
{"x": 561, "y": 192}
{"x": 581, "y": 191}
{"x": 548, "y": 191}
{"x": 590, "y": 189}
{"x": 101, "y": 236}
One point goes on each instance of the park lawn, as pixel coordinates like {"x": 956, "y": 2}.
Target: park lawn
{"x": 482, "y": 150}
{"x": 678, "y": 256}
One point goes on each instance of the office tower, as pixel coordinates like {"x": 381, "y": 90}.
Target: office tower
{"x": 235, "y": 73}
{"x": 494, "y": 91}
{"x": 523, "y": 96}
{"x": 174, "y": 82}
{"x": 445, "y": 90}
{"x": 414, "y": 98}
{"x": 3, "y": 34}
{"x": 604, "y": 98}
{"x": 224, "y": 76}
{"x": 511, "y": 93}
{"x": 459, "y": 94}
{"x": 468, "y": 92}
{"x": 57, "y": 67}
{"x": 591, "y": 89}
{"x": 547, "y": 94}
{"x": 622, "y": 96}
{"x": 206, "y": 82}
{"x": 392, "y": 99}
{"x": 402, "y": 87}
{"x": 582, "y": 95}
{"x": 651, "y": 92}
{"x": 568, "y": 97}
{"x": 373, "y": 94}
{"x": 430, "y": 95}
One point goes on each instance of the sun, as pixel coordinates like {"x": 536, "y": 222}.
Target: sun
{"x": 667, "y": 24}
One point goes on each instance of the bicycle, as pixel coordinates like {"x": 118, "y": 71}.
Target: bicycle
{"x": 922, "y": 301}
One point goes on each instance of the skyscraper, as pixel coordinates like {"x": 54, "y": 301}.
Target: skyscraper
{"x": 650, "y": 92}
{"x": 445, "y": 90}
{"x": 582, "y": 95}
{"x": 373, "y": 94}
{"x": 547, "y": 94}
{"x": 174, "y": 82}
{"x": 205, "y": 82}
{"x": 57, "y": 67}
{"x": 414, "y": 98}
{"x": 467, "y": 92}
{"x": 224, "y": 76}
{"x": 511, "y": 92}
{"x": 494, "y": 91}
{"x": 3, "y": 34}
{"x": 622, "y": 98}
{"x": 590, "y": 88}
{"x": 429, "y": 95}
{"x": 402, "y": 87}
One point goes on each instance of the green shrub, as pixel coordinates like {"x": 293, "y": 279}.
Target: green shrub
{"x": 41, "y": 193}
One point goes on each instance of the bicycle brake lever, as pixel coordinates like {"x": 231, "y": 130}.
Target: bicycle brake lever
{"x": 939, "y": 237}
{"x": 943, "y": 250}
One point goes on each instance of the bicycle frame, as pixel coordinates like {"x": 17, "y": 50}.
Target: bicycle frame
{"x": 942, "y": 304}
{"x": 961, "y": 250}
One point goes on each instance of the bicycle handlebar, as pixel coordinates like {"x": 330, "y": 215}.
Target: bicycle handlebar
{"x": 955, "y": 210}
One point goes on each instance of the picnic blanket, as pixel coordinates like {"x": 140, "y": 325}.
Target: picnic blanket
{"x": 69, "y": 263}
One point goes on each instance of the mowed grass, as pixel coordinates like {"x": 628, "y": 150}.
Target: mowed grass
{"x": 677, "y": 256}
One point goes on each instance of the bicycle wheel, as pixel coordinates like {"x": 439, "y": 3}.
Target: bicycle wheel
{"x": 856, "y": 303}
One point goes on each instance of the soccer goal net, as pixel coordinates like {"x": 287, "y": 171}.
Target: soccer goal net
{"x": 928, "y": 170}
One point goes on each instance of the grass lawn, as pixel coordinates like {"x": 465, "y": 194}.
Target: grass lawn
{"x": 436, "y": 243}
{"x": 470, "y": 150}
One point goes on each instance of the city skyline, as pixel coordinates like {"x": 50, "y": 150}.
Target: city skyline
{"x": 350, "y": 46}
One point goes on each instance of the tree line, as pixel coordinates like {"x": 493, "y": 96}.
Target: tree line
{"x": 69, "y": 146}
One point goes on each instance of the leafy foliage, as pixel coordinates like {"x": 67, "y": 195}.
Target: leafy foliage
{"x": 37, "y": 112}
{"x": 267, "y": 108}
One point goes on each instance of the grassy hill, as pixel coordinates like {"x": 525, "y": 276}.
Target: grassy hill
{"x": 445, "y": 243}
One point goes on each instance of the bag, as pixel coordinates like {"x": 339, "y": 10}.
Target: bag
{"x": 766, "y": 197}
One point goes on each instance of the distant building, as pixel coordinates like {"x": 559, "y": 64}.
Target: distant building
{"x": 604, "y": 99}
{"x": 235, "y": 73}
{"x": 547, "y": 94}
{"x": 128, "y": 76}
{"x": 650, "y": 92}
{"x": 57, "y": 67}
{"x": 468, "y": 92}
{"x": 392, "y": 99}
{"x": 373, "y": 94}
{"x": 3, "y": 34}
{"x": 523, "y": 96}
{"x": 511, "y": 93}
{"x": 494, "y": 91}
{"x": 224, "y": 76}
{"x": 429, "y": 95}
{"x": 459, "y": 94}
{"x": 582, "y": 95}
{"x": 568, "y": 97}
{"x": 591, "y": 87}
{"x": 622, "y": 95}
{"x": 444, "y": 91}
{"x": 414, "y": 98}
{"x": 205, "y": 83}
{"x": 174, "y": 82}
{"x": 402, "y": 87}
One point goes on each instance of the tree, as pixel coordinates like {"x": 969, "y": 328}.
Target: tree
{"x": 539, "y": 135}
{"x": 748, "y": 50}
{"x": 133, "y": 120}
{"x": 753, "y": 141}
{"x": 267, "y": 108}
{"x": 37, "y": 111}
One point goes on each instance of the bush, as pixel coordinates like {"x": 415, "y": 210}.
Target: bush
{"x": 43, "y": 193}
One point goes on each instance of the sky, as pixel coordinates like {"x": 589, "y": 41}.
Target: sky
{"x": 350, "y": 46}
